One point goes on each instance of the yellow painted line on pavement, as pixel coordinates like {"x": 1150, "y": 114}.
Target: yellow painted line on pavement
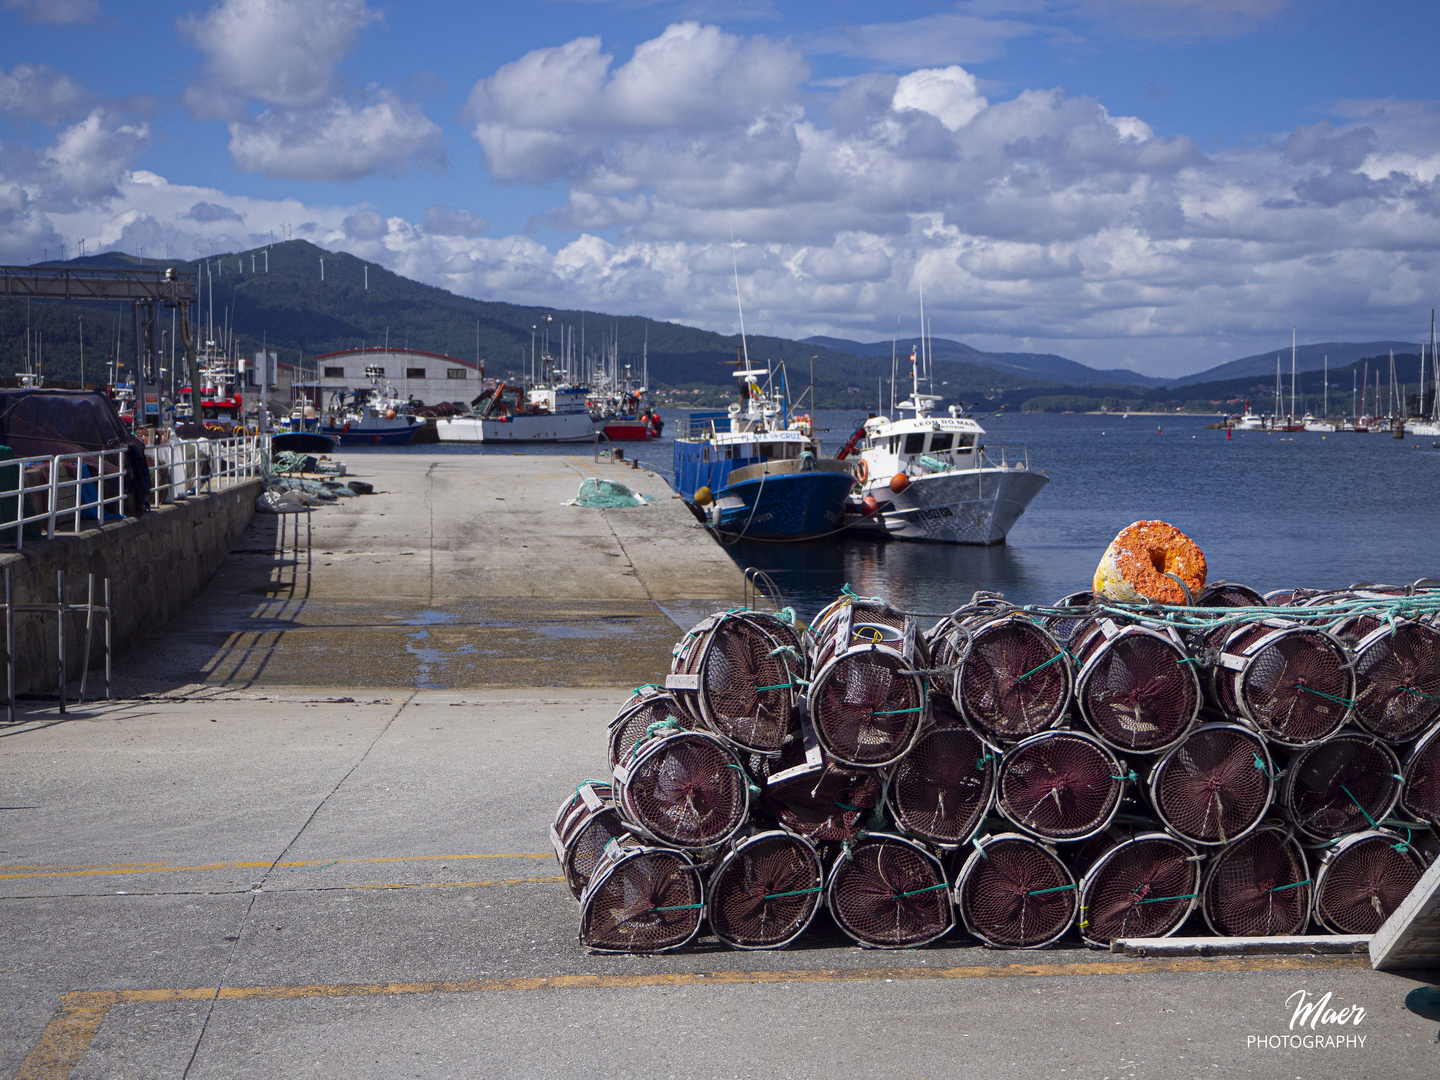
{"x": 8, "y": 872}
{"x": 66, "y": 1038}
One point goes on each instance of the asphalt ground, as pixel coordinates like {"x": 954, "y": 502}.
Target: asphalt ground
{"x": 231, "y": 874}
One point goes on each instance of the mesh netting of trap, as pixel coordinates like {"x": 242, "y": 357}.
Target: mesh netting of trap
{"x": 1296, "y": 685}
{"x": 1014, "y": 680}
{"x": 641, "y": 900}
{"x": 1397, "y": 680}
{"x": 823, "y": 800}
{"x": 1228, "y": 594}
{"x": 867, "y": 705}
{"x": 1144, "y": 886}
{"x": 1362, "y": 879}
{"x": 1015, "y": 893}
{"x": 1340, "y": 786}
{"x": 1137, "y": 689}
{"x": 1064, "y": 628}
{"x": 853, "y": 610}
{"x": 766, "y": 891}
{"x": 1060, "y": 785}
{"x": 1258, "y": 886}
{"x": 1215, "y": 786}
{"x": 584, "y": 825}
{"x": 749, "y": 680}
{"x": 941, "y": 790}
{"x": 888, "y": 892}
{"x": 647, "y": 710}
{"x": 1420, "y": 794}
{"x": 684, "y": 788}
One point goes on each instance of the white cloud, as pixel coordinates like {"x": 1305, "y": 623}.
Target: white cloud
{"x": 277, "y": 52}
{"x": 35, "y": 92}
{"x": 338, "y": 141}
{"x": 440, "y": 220}
{"x": 56, "y": 12}
{"x": 282, "y": 54}
{"x": 948, "y": 94}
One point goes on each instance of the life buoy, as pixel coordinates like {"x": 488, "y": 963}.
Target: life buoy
{"x": 862, "y": 471}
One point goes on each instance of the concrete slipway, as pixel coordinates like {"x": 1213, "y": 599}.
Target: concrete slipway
{"x": 311, "y": 841}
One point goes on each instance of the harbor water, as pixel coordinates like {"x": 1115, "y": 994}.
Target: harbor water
{"x": 1269, "y": 510}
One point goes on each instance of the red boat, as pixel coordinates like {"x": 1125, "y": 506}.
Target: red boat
{"x": 647, "y": 425}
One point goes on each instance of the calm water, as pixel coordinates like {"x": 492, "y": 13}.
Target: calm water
{"x": 1271, "y": 511}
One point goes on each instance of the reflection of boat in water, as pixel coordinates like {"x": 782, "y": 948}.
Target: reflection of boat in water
{"x": 508, "y": 413}
{"x": 755, "y": 472}
{"x": 930, "y": 478}
{"x": 370, "y": 417}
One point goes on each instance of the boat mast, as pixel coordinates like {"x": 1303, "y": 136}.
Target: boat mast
{"x": 1326, "y": 413}
{"x": 1435, "y": 407}
{"x": 1292, "y": 374}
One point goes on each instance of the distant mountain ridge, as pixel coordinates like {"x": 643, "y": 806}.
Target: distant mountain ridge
{"x": 1029, "y": 365}
{"x": 1307, "y": 358}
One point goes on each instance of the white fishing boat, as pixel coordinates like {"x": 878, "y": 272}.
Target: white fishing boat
{"x": 931, "y": 478}
{"x": 510, "y": 414}
{"x": 1251, "y": 421}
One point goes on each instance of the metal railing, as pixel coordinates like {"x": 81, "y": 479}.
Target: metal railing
{"x": 71, "y": 492}
{"x": 1005, "y": 457}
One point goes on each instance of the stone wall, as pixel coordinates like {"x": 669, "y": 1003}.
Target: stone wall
{"x": 157, "y": 563}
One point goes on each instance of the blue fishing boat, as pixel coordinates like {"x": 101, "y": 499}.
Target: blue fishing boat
{"x": 754, "y": 471}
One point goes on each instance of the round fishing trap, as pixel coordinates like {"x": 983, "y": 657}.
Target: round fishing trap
{"x": 1015, "y": 893}
{"x": 641, "y": 900}
{"x": 866, "y": 703}
{"x": 1137, "y": 689}
{"x": 648, "y": 709}
{"x": 1340, "y": 786}
{"x": 1362, "y": 880}
{"x": 820, "y": 798}
{"x": 1060, "y": 785}
{"x": 766, "y": 891}
{"x": 740, "y": 674}
{"x": 853, "y": 611}
{"x": 685, "y": 788}
{"x": 1397, "y": 680}
{"x": 1145, "y": 886}
{"x": 941, "y": 790}
{"x": 888, "y": 892}
{"x": 1420, "y": 794}
{"x": 1014, "y": 680}
{"x": 585, "y": 823}
{"x": 1294, "y": 683}
{"x": 1227, "y": 594}
{"x": 1215, "y": 786}
{"x": 1258, "y": 886}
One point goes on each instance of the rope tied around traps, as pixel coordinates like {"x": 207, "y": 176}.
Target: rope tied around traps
{"x": 793, "y": 892}
{"x": 1057, "y": 888}
{"x": 1260, "y": 764}
{"x": 1286, "y": 888}
{"x": 1362, "y": 809}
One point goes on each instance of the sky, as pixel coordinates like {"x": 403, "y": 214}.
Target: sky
{"x": 1161, "y": 185}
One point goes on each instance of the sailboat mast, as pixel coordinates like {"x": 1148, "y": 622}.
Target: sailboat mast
{"x": 914, "y": 377}
{"x": 1326, "y": 413}
{"x": 1292, "y": 374}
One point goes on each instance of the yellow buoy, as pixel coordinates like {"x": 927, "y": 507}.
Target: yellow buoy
{"x": 703, "y": 497}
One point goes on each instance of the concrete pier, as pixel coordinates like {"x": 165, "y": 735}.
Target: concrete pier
{"x": 291, "y": 857}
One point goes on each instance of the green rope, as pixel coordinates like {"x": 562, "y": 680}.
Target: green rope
{"x": 647, "y": 686}
{"x": 1040, "y": 667}
{"x": 1160, "y": 899}
{"x": 777, "y": 686}
{"x": 1041, "y": 892}
{"x": 845, "y": 590}
{"x": 895, "y": 712}
{"x": 1359, "y": 807}
{"x": 917, "y": 892}
{"x": 670, "y": 723}
{"x": 1188, "y": 660}
{"x": 1283, "y": 888}
{"x": 1420, "y": 693}
{"x": 590, "y": 783}
{"x": 1128, "y": 776}
{"x": 796, "y": 892}
{"x": 675, "y": 907}
{"x": 975, "y": 843}
{"x": 1259, "y": 764}
{"x": 1328, "y": 697}
{"x": 980, "y": 761}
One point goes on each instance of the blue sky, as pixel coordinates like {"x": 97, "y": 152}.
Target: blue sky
{"x": 1162, "y": 185}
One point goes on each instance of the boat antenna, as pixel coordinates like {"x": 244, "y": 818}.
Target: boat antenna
{"x": 735, "y": 265}
{"x": 894, "y": 350}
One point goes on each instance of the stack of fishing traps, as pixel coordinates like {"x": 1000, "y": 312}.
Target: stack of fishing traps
{"x": 1026, "y": 773}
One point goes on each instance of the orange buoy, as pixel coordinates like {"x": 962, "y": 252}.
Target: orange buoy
{"x": 899, "y": 482}
{"x": 869, "y": 506}
{"x": 703, "y": 496}
{"x": 389, "y": 414}
{"x": 1144, "y": 560}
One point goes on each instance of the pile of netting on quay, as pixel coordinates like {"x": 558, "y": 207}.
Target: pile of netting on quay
{"x": 1028, "y": 774}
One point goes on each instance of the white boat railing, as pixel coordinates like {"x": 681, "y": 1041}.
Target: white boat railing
{"x": 1005, "y": 457}
{"x": 65, "y": 493}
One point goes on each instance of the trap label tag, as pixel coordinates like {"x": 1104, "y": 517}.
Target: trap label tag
{"x": 682, "y": 682}
{"x": 590, "y": 797}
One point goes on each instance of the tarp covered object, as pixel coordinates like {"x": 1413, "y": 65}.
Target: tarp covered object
{"x": 36, "y": 423}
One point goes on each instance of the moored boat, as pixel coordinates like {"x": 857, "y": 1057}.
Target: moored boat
{"x": 508, "y": 413}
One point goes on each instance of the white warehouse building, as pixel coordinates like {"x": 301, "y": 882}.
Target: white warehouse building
{"x": 428, "y": 377}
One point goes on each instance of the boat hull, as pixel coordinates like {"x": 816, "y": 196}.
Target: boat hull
{"x": 788, "y": 506}
{"x": 552, "y": 428}
{"x": 970, "y": 506}
{"x": 303, "y": 442}
{"x": 629, "y": 431}
{"x": 364, "y": 436}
